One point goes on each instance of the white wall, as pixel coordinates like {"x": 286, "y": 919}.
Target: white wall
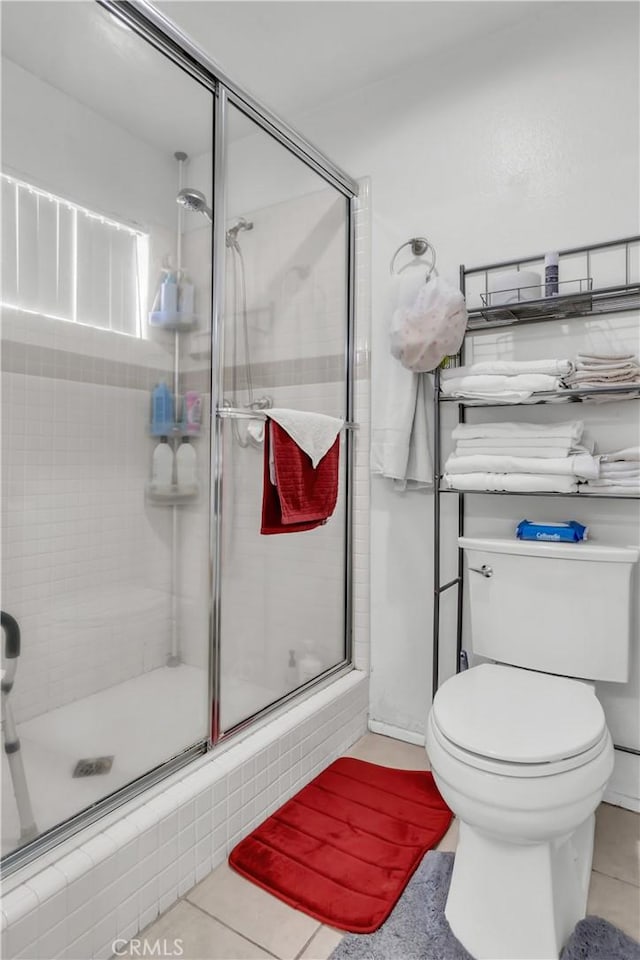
{"x": 525, "y": 142}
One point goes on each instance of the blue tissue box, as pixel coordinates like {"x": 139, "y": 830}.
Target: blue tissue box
{"x": 569, "y": 531}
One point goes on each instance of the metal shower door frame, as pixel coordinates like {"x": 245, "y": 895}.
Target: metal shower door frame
{"x": 223, "y": 98}
{"x": 159, "y": 31}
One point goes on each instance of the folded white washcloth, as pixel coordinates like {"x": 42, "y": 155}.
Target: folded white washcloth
{"x": 506, "y": 389}
{"x": 509, "y": 368}
{"x": 605, "y": 376}
{"x": 554, "y": 452}
{"x": 582, "y": 465}
{"x": 569, "y": 430}
{"x": 631, "y": 482}
{"x": 512, "y": 482}
{"x": 606, "y": 365}
{"x": 314, "y": 433}
{"x": 562, "y": 446}
{"x": 628, "y": 453}
{"x": 605, "y": 357}
{"x": 619, "y": 474}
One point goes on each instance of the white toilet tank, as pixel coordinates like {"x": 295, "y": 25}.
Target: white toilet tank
{"x": 559, "y": 608}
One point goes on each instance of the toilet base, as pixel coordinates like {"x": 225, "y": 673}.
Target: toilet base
{"x": 510, "y": 901}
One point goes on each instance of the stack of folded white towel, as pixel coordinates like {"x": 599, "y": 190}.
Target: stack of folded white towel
{"x": 619, "y": 473}
{"x": 604, "y": 370}
{"x": 521, "y": 457}
{"x": 504, "y": 381}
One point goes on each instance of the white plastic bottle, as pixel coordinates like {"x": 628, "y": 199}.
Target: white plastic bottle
{"x": 162, "y": 467}
{"x": 186, "y": 465}
{"x": 309, "y": 666}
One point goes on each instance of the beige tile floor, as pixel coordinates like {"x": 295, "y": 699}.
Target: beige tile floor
{"x": 227, "y": 918}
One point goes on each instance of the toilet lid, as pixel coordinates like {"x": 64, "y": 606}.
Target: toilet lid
{"x": 518, "y": 716}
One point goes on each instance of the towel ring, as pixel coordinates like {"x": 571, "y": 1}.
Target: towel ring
{"x": 419, "y": 246}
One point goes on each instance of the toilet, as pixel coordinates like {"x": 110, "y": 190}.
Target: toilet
{"x": 518, "y": 744}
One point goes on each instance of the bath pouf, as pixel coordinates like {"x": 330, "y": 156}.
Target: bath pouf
{"x": 433, "y": 328}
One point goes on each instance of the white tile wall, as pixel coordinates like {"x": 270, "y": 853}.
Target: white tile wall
{"x": 85, "y": 565}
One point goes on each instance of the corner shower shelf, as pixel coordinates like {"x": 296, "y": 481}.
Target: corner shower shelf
{"x": 171, "y": 495}
{"x": 173, "y": 321}
{"x": 176, "y": 432}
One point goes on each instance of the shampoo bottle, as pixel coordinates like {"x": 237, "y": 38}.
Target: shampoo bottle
{"x": 162, "y": 411}
{"x": 169, "y": 294}
{"x": 186, "y": 467}
{"x": 192, "y": 411}
{"x": 162, "y": 467}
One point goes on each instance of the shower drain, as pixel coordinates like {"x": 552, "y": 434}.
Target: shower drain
{"x": 91, "y": 766}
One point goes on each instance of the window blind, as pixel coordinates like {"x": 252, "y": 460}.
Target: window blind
{"x": 65, "y": 261}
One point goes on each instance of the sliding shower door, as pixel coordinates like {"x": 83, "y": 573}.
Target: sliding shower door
{"x": 105, "y": 410}
{"x": 283, "y": 597}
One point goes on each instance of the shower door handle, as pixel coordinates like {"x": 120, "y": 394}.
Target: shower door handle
{"x": 484, "y": 570}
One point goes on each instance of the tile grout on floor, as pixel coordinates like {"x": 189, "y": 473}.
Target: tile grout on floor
{"x": 222, "y": 923}
{"x": 612, "y": 876}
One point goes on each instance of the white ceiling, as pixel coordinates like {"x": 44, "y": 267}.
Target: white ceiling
{"x": 293, "y": 56}
{"x": 79, "y": 48}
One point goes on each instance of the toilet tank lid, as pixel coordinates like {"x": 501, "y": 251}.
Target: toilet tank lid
{"x": 518, "y": 716}
{"x": 600, "y": 552}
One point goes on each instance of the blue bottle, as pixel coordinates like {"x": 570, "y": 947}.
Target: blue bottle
{"x": 162, "y": 415}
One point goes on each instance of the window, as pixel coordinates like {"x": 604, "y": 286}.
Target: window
{"x": 64, "y": 261}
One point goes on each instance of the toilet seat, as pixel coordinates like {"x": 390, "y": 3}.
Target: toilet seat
{"x": 518, "y": 723}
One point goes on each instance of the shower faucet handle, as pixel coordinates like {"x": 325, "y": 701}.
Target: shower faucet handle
{"x": 484, "y": 570}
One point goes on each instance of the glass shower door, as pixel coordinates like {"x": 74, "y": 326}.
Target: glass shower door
{"x": 105, "y": 372}
{"x": 283, "y": 597}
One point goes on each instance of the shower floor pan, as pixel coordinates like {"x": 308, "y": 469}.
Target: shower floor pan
{"x": 141, "y": 723}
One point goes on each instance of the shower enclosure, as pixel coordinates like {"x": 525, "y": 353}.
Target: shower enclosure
{"x": 176, "y": 261}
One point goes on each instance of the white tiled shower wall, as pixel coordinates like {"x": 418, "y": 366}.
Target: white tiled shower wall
{"x": 281, "y": 592}
{"x": 116, "y": 877}
{"x": 85, "y": 562}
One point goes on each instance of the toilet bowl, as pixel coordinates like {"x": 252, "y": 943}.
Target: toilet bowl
{"x": 523, "y": 759}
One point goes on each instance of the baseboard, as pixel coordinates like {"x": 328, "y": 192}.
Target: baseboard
{"x": 397, "y": 733}
{"x": 623, "y": 789}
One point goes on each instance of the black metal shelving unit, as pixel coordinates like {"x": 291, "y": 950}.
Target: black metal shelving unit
{"x": 581, "y": 301}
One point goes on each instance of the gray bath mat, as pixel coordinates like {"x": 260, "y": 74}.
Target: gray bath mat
{"x": 418, "y": 930}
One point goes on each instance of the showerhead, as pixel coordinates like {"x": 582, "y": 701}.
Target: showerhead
{"x": 240, "y": 224}
{"x": 195, "y": 201}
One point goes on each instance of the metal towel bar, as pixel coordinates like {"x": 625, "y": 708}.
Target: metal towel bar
{"x": 236, "y": 413}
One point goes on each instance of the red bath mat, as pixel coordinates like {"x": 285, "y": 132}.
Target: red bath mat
{"x": 344, "y": 848}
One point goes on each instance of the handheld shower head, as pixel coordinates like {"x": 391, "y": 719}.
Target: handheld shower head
{"x": 195, "y": 201}
{"x": 240, "y": 224}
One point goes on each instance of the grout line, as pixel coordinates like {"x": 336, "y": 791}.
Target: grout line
{"x": 211, "y": 916}
{"x": 612, "y": 876}
{"x": 304, "y": 947}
